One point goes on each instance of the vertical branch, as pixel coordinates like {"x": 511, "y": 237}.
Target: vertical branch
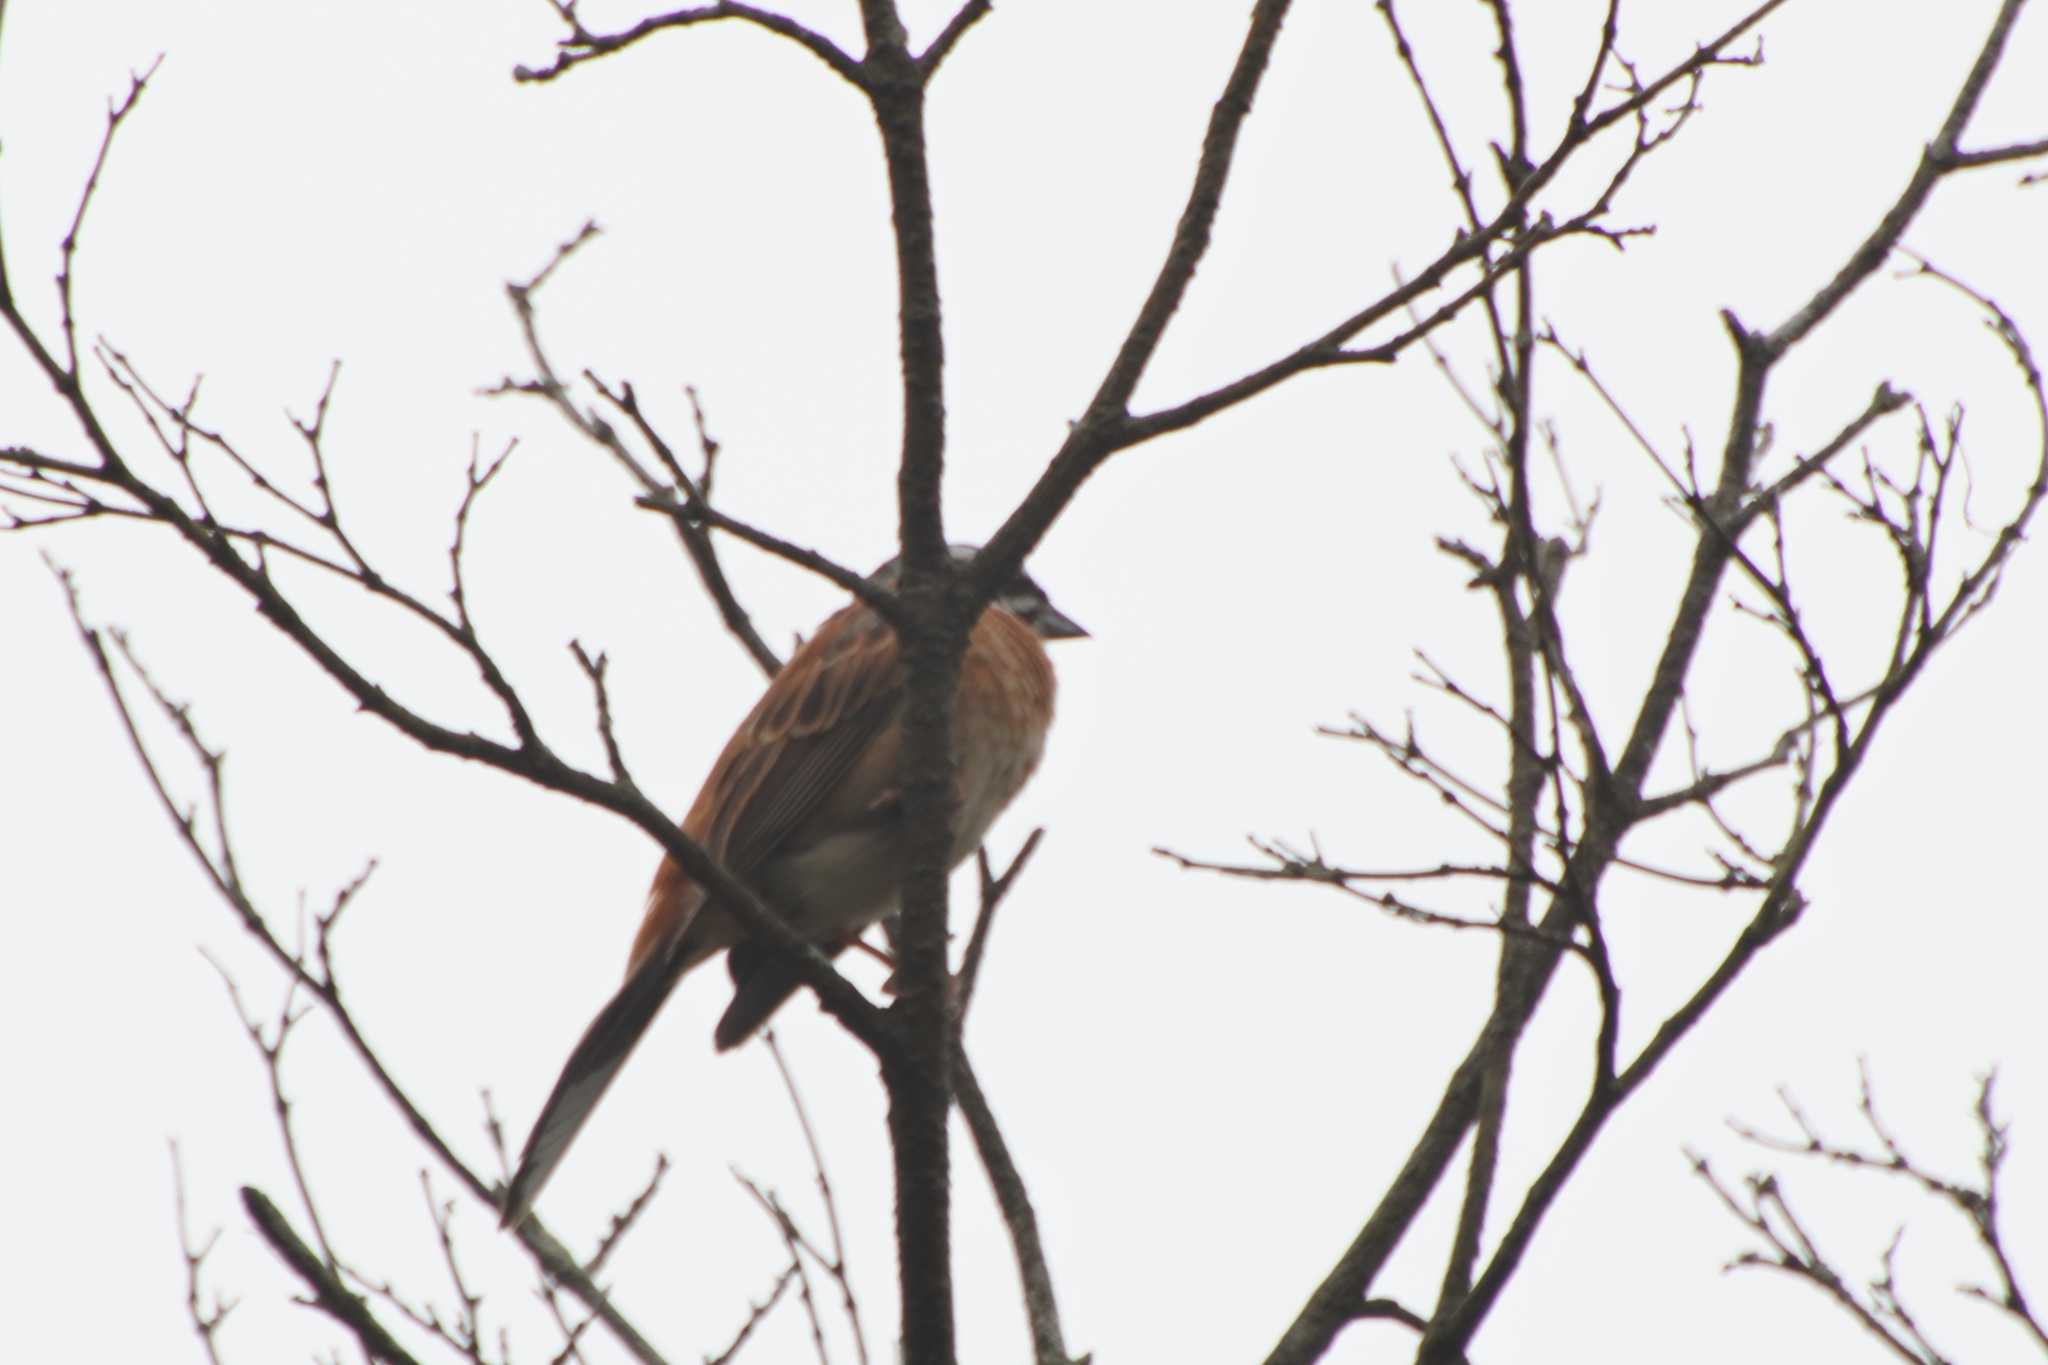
{"x": 1526, "y": 767}
{"x": 206, "y": 1321}
{"x": 1485, "y": 1164}
{"x": 933, "y": 636}
{"x": 1518, "y": 562}
{"x": 895, "y": 84}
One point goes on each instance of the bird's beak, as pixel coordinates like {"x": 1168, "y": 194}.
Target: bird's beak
{"x": 1054, "y": 624}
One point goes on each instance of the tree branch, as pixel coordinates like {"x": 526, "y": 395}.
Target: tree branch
{"x": 581, "y": 45}
{"x": 330, "y": 1295}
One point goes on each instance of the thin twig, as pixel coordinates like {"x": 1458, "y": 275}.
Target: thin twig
{"x": 206, "y": 1320}
{"x": 993, "y": 890}
{"x": 836, "y": 1267}
{"x": 755, "y": 1313}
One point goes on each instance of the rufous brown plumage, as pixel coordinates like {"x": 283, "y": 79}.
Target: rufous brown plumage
{"x": 802, "y": 806}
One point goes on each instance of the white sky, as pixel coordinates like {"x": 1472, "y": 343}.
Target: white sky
{"x": 1206, "y": 1084}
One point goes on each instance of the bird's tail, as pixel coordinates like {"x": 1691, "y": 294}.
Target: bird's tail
{"x": 763, "y": 979}
{"x": 600, "y": 1053}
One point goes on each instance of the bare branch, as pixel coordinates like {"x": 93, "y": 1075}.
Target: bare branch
{"x": 1996, "y": 156}
{"x": 330, "y": 1295}
{"x": 755, "y": 1313}
{"x": 271, "y": 1049}
{"x": 993, "y": 890}
{"x": 467, "y": 1332}
{"x": 206, "y": 1319}
{"x": 219, "y": 869}
{"x": 622, "y": 1223}
{"x": 1292, "y": 866}
{"x": 836, "y": 1266}
{"x": 581, "y": 45}
{"x": 478, "y": 478}
{"x": 1107, "y": 427}
{"x": 969, "y": 14}
{"x": 1883, "y": 1311}
{"x": 1935, "y": 162}
{"x": 689, "y": 508}
{"x": 689, "y": 520}
{"x": 1885, "y": 401}
{"x": 117, "y": 112}
{"x": 1041, "y": 1308}
{"x": 798, "y": 1247}
{"x": 594, "y": 669}
{"x": 1793, "y": 1252}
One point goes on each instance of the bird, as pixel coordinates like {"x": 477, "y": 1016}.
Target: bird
{"x": 802, "y": 806}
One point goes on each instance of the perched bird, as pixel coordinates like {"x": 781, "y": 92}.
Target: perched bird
{"x": 803, "y": 807}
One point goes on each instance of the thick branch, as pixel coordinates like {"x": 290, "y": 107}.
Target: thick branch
{"x": 932, "y": 632}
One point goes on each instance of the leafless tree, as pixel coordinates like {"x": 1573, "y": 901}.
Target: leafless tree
{"x": 1579, "y": 788}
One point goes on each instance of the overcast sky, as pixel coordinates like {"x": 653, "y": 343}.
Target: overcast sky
{"x": 1207, "y": 1084}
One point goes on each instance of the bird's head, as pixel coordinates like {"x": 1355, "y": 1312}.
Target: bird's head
{"x": 1021, "y": 597}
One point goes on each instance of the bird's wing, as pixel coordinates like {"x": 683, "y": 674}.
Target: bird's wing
{"x": 791, "y": 764}
{"x": 789, "y": 759}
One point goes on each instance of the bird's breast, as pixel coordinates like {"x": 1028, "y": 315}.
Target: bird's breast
{"x": 841, "y": 869}
{"x": 1000, "y": 719}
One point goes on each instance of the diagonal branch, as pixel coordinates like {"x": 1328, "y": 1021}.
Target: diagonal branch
{"x": 1041, "y": 1308}
{"x": 964, "y": 18}
{"x": 1106, "y": 426}
{"x": 330, "y": 1295}
{"x": 1938, "y": 160}
{"x": 691, "y": 510}
{"x": 691, "y": 526}
{"x": 1094, "y": 436}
